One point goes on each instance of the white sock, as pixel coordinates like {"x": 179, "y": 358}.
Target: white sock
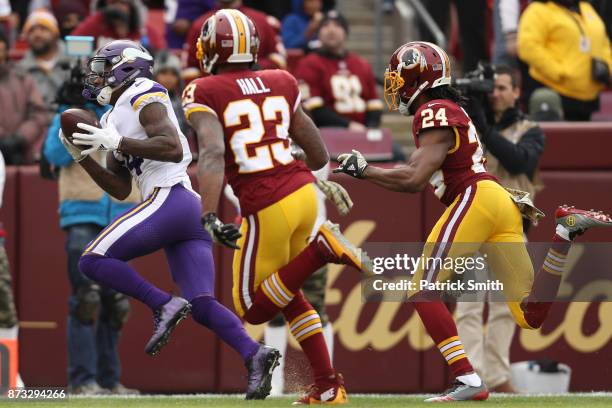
{"x": 473, "y": 380}
{"x": 328, "y": 334}
{"x": 563, "y": 232}
{"x": 276, "y": 337}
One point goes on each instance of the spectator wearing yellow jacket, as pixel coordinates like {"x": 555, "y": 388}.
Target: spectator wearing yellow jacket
{"x": 565, "y": 45}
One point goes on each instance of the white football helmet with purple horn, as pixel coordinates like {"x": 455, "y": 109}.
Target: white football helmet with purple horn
{"x": 116, "y": 64}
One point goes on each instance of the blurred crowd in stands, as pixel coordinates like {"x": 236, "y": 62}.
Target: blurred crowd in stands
{"x": 560, "y": 48}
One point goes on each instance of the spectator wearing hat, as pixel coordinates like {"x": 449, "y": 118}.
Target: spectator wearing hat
{"x": 271, "y": 53}
{"x": 24, "y": 116}
{"x": 301, "y": 26}
{"x": 45, "y": 58}
{"x": 121, "y": 19}
{"x": 338, "y": 87}
{"x": 545, "y": 105}
{"x": 565, "y": 45}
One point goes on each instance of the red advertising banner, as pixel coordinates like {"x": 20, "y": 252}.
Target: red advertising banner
{"x": 379, "y": 347}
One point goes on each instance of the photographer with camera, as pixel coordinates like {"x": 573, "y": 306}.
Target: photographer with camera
{"x": 96, "y": 313}
{"x": 513, "y": 147}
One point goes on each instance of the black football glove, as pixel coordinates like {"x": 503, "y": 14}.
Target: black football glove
{"x": 225, "y": 234}
{"x": 353, "y": 164}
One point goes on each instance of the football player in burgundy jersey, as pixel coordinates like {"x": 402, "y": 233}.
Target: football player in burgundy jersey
{"x": 449, "y": 156}
{"x": 243, "y": 119}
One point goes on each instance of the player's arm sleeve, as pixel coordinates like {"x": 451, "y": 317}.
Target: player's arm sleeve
{"x": 53, "y": 149}
{"x": 196, "y": 100}
{"x": 156, "y": 93}
{"x": 522, "y": 157}
{"x": 532, "y": 38}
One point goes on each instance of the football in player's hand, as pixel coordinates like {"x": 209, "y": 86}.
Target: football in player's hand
{"x": 70, "y": 118}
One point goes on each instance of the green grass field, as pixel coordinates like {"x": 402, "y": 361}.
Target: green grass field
{"x": 362, "y": 400}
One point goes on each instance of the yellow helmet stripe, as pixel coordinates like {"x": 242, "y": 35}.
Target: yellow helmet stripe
{"x": 247, "y": 31}
{"x": 241, "y": 32}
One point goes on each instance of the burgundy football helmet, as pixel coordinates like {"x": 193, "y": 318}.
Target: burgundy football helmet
{"x": 228, "y": 36}
{"x": 413, "y": 68}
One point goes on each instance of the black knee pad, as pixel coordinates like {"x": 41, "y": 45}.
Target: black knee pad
{"x": 88, "y": 303}
{"x": 118, "y": 310}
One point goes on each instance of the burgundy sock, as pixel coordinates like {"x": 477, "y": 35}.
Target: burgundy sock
{"x": 305, "y": 325}
{"x": 442, "y": 329}
{"x": 546, "y": 284}
{"x": 277, "y": 290}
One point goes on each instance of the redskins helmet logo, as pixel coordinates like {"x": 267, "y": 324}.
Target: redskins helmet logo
{"x": 411, "y": 58}
{"x": 208, "y": 30}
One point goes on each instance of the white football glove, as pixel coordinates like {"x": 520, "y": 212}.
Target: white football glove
{"x": 99, "y": 139}
{"x": 74, "y": 151}
{"x": 337, "y": 194}
{"x": 353, "y": 164}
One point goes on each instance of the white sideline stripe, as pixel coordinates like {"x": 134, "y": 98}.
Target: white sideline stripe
{"x": 130, "y": 222}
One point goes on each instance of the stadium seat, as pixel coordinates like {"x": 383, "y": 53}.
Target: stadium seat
{"x": 605, "y": 107}
{"x": 592, "y": 141}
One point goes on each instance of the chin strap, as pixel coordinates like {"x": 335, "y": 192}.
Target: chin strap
{"x": 404, "y": 108}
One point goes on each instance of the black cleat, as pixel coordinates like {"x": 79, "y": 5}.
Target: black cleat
{"x": 260, "y": 368}
{"x": 165, "y": 320}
